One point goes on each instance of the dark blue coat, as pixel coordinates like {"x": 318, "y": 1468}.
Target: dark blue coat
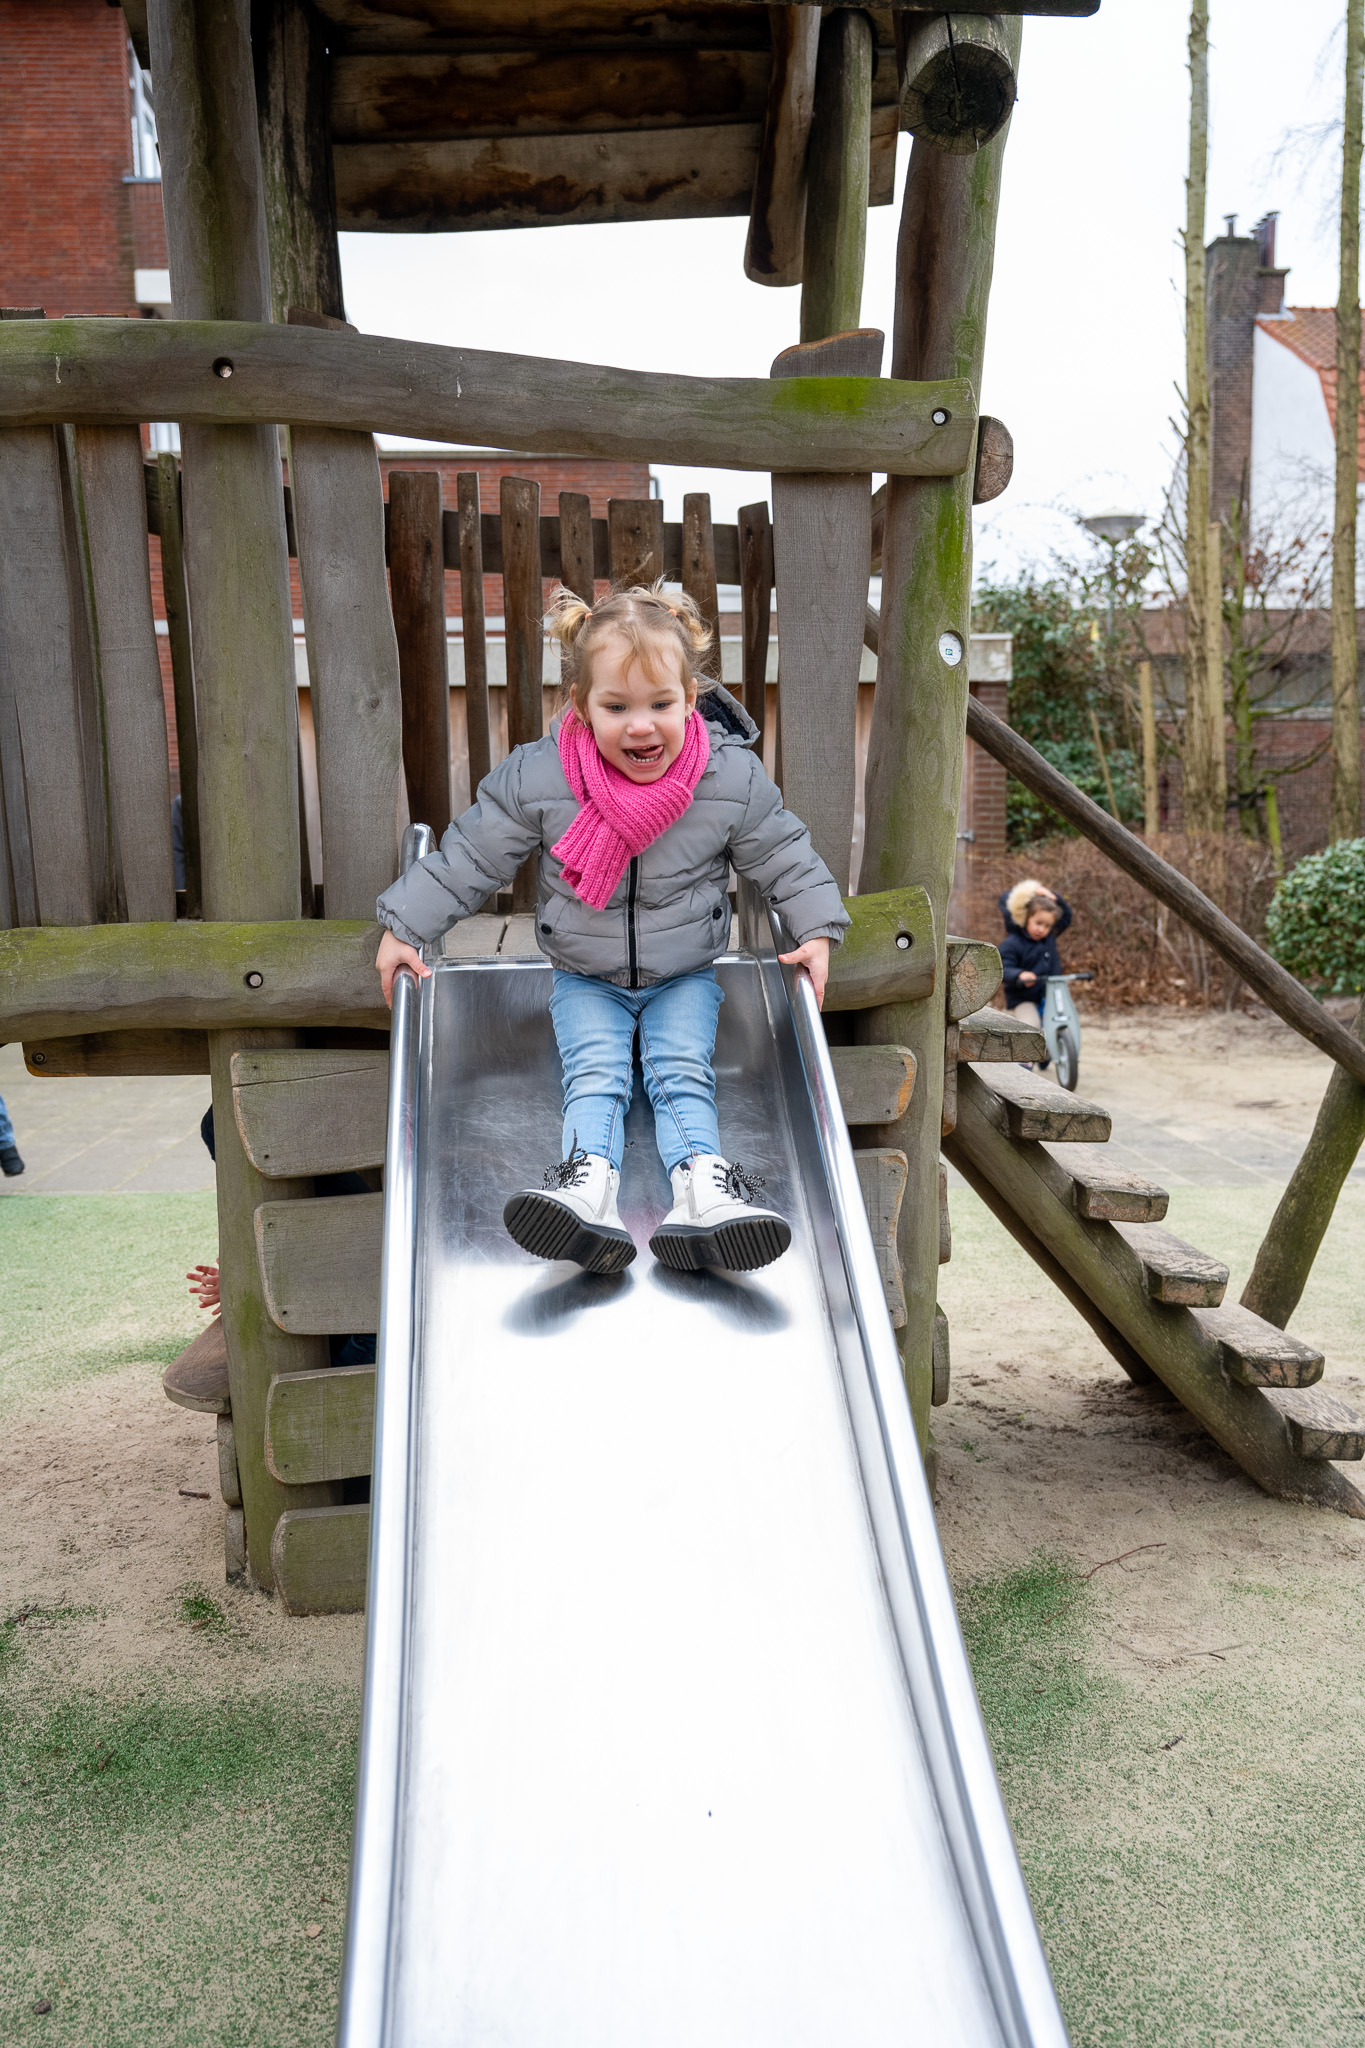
{"x": 1021, "y": 954}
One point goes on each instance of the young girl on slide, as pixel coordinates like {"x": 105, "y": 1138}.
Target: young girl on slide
{"x": 639, "y": 801}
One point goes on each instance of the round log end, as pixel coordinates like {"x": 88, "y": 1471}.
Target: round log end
{"x": 960, "y": 97}
{"x": 994, "y": 459}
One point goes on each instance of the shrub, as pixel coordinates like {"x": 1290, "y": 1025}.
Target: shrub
{"x": 1316, "y": 923}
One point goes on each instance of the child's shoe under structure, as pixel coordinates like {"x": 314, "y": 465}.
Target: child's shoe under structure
{"x": 573, "y": 1215}
{"x": 11, "y": 1165}
{"x": 714, "y": 1222}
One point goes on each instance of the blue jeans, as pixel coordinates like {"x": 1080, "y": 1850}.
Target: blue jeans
{"x": 595, "y": 1024}
{"x": 6, "y": 1127}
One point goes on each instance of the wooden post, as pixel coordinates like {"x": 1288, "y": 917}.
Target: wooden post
{"x": 775, "y": 249}
{"x": 417, "y": 582}
{"x": 576, "y": 570}
{"x": 182, "y": 673}
{"x": 699, "y": 569}
{"x": 958, "y": 80}
{"x": 113, "y": 519}
{"x": 635, "y": 541}
{"x": 243, "y": 647}
{"x": 943, "y": 275}
{"x": 477, "y": 725}
{"x": 756, "y": 601}
{"x": 1151, "y": 791}
{"x": 289, "y": 50}
{"x": 837, "y": 170}
{"x": 523, "y": 610}
{"x": 89, "y": 696}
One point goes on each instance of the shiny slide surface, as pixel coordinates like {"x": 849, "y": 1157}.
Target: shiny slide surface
{"x": 669, "y": 1732}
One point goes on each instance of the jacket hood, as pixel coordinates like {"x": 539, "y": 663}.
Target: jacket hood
{"x": 1016, "y": 902}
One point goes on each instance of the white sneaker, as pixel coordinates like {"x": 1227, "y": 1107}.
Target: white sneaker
{"x": 573, "y": 1215}
{"x": 713, "y": 1221}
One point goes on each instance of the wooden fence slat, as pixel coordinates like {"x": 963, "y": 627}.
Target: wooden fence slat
{"x": 320, "y": 1425}
{"x": 113, "y": 509}
{"x": 353, "y": 663}
{"x": 37, "y": 632}
{"x": 635, "y": 540}
{"x": 417, "y": 582}
{"x": 89, "y": 695}
{"x": 576, "y": 555}
{"x": 319, "y": 1263}
{"x": 320, "y": 1560}
{"x": 822, "y": 542}
{"x": 699, "y": 570}
{"x": 756, "y": 604}
{"x": 477, "y": 724}
{"x": 20, "y": 888}
{"x": 176, "y": 598}
{"x": 304, "y": 1112}
{"x": 523, "y": 607}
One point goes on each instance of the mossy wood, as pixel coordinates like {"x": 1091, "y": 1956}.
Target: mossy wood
{"x": 974, "y": 975}
{"x": 124, "y": 371}
{"x": 302, "y": 1112}
{"x": 1173, "y": 1341}
{"x": 887, "y": 952}
{"x": 1029, "y": 1106}
{"x": 874, "y": 1081}
{"x": 319, "y": 1262}
{"x": 838, "y": 177}
{"x": 320, "y": 1425}
{"x": 320, "y": 1560}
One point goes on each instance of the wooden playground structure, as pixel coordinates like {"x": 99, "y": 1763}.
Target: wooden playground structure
{"x": 280, "y": 122}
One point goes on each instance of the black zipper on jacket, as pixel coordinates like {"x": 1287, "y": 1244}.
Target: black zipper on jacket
{"x": 632, "y": 887}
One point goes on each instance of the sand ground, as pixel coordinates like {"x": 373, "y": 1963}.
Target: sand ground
{"x": 1178, "y": 1733}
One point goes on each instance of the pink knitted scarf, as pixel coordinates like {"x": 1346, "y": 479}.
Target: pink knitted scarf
{"x": 619, "y": 818}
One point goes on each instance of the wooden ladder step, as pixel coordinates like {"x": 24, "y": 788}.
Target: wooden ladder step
{"x": 875, "y": 1081}
{"x": 998, "y": 1035}
{"x": 1029, "y": 1106}
{"x": 1111, "y": 1194}
{"x": 1255, "y": 1353}
{"x": 198, "y": 1378}
{"x": 321, "y": 1560}
{"x": 1174, "y": 1272}
{"x": 319, "y": 1260}
{"x": 307, "y": 1112}
{"x": 320, "y": 1425}
{"x": 1320, "y": 1426}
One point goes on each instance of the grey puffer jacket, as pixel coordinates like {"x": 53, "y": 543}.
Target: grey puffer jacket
{"x": 670, "y": 913}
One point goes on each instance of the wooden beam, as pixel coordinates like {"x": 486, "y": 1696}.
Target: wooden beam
{"x": 974, "y": 974}
{"x": 319, "y": 1261}
{"x": 699, "y": 570}
{"x": 635, "y": 541}
{"x": 125, "y": 371}
{"x": 304, "y": 1112}
{"x": 524, "y": 633}
{"x": 474, "y": 642}
{"x": 320, "y": 1559}
{"x": 293, "y": 74}
{"x": 775, "y": 249}
{"x": 104, "y": 1053}
{"x": 959, "y": 87}
{"x": 320, "y": 1425}
{"x": 175, "y": 594}
{"x": 887, "y": 952}
{"x": 756, "y": 599}
{"x": 838, "y": 166}
{"x": 874, "y": 1081}
{"x": 418, "y": 586}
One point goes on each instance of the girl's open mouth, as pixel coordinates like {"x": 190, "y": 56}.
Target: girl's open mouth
{"x": 645, "y": 757}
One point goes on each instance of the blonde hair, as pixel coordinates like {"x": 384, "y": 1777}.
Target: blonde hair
{"x": 1026, "y": 897}
{"x": 648, "y": 622}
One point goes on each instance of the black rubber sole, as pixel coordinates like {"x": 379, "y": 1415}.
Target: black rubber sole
{"x": 549, "y": 1230}
{"x": 739, "y": 1247}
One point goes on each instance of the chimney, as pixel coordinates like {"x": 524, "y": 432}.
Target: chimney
{"x": 1234, "y": 280}
{"x": 1269, "y": 280}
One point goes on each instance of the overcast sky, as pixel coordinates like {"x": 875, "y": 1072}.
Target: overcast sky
{"x": 1085, "y": 342}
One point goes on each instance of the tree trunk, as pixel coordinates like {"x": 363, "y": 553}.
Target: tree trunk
{"x": 1203, "y": 811}
{"x": 1345, "y": 814}
{"x": 943, "y": 276}
{"x": 1300, "y": 1222}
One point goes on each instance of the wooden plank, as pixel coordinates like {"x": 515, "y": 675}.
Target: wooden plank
{"x": 1173, "y": 1341}
{"x": 943, "y": 1374}
{"x": 882, "y": 1175}
{"x": 234, "y": 1545}
{"x": 874, "y": 1081}
{"x": 1175, "y": 1272}
{"x": 293, "y": 68}
{"x": 524, "y": 632}
{"x": 416, "y": 97}
{"x": 838, "y": 179}
{"x": 319, "y": 1262}
{"x": 112, "y": 505}
{"x": 353, "y": 663}
{"x": 229, "y": 1478}
{"x": 57, "y": 982}
{"x": 577, "y": 554}
{"x": 959, "y": 86}
{"x": 119, "y": 1052}
{"x": 124, "y": 371}
{"x": 37, "y": 650}
{"x": 985, "y": 1035}
{"x": 756, "y": 586}
{"x": 948, "y": 1118}
{"x": 302, "y": 1112}
{"x": 16, "y": 847}
{"x": 945, "y": 1221}
{"x": 417, "y": 583}
{"x": 699, "y": 570}
{"x": 89, "y": 695}
{"x": 1255, "y": 1353}
{"x": 1028, "y": 1106}
{"x": 519, "y": 940}
{"x": 635, "y": 539}
{"x": 887, "y": 954}
{"x": 474, "y": 938}
{"x": 974, "y": 975}
{"x": 320, "y": 1560}
{"x": 1319, "y": 1425}
{"x": 1110, "y": 1194}
{"x": 774, "y": 250}
{"x": 477, "y": 727}
{"x": 320, "y": 1425}
{"x": 175, "y": 594}
{"x": 198, "y": 1378}
{"x": 821, "y": 545}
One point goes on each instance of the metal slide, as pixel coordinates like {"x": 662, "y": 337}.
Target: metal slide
{"x": 670, "y": 1739}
